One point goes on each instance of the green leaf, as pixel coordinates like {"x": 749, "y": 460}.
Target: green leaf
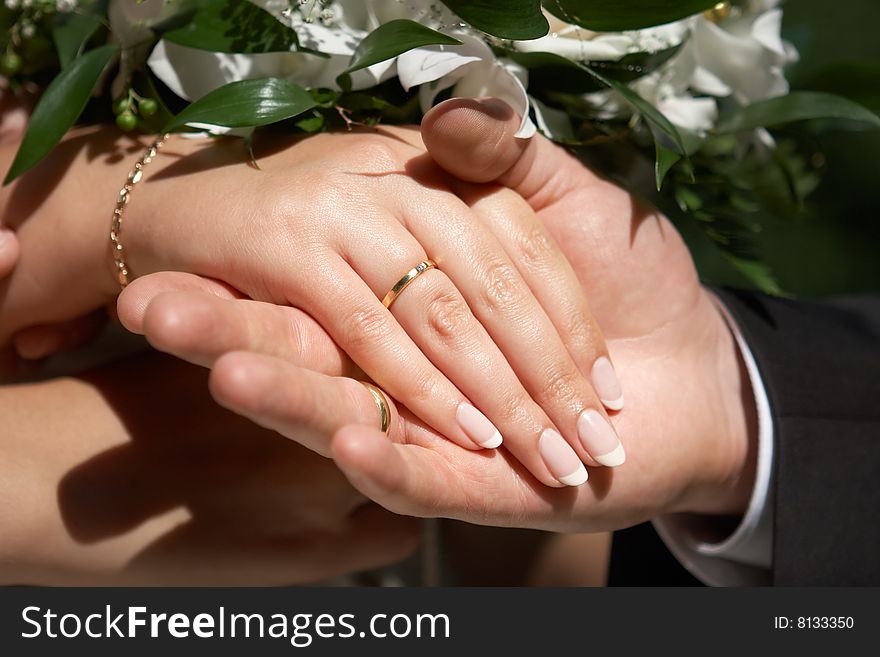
{"x": 552, "y": 72}
{"x": 395, "y": 38}
{"x": 630, "y": 68}
{"x": 666, "y": 159}
{"x": 59, "y": 108}
{"x": 234, "y": 26}
{"x": 659, "y": 124}
{"x": 311, "y": 124}
{"x": 246, "y": 104}
{"x": 71, "y": 31}
{"x": 511, "y": 19}
{"x": 796, "y": 106}
{"x": 619, "y": 15}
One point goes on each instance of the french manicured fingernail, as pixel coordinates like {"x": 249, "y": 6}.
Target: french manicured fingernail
{"x": 561, "y": 459}
{"x": 607, "y": 384}
{"x": 599, "y": 439}
{"x": 478, "y": 427}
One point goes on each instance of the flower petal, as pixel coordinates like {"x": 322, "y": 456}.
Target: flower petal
{"x": 767, "y": 30}
{"x": 420, "y": 65}
{"x": 752, "y": 71}
{"x": 428, "y": 64}
{"x": 492, "y": 78}
{"x": 696, "y": 114}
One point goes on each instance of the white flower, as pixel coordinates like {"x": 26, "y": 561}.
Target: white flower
{"x": 130, "y": 20}
{"x": 582, "y": 45}
{"x": 192, "y": 73}
{"x": 696, "y": 114}
{"x": 472, "y": 71}
{"x": 670, "y": 96}
{"x": 130, "y": 23}
{"x": 743, "y": 57}
{"x": 336, "y": 30}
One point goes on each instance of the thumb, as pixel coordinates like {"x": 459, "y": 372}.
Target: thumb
{"x": 475, "y": 141}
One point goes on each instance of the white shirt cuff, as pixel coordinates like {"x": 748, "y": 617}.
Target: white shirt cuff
{"x": 745, "y": 557}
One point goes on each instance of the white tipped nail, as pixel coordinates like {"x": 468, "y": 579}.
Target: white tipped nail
{"x": 478, "y": 427}
{"x": 614, "y": 404}
{"x": 614, "y": 458}
{"x": 561, "y": 459}
{"x": 493, "y": 443}
{"x": 599, "y": 439}
{"x": 576, "y": 478}
{"x": 607, "y": 384}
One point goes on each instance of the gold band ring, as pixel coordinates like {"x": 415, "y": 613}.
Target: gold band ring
{"x": 408, "y": 278}
{"x": 382, "y": 404}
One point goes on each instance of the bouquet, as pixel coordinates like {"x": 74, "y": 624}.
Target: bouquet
{"x": 694, "y": 89}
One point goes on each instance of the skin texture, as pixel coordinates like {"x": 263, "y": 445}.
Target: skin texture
{"x": 102, "y": 490}
{"x": 11, "y": 128}
{"x": 689, "y": 421}
{"x": 329, "y": 224}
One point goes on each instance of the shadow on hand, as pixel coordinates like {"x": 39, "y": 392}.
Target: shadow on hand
{"x": 30, "y": 190}
{"x": 232, "y": 478}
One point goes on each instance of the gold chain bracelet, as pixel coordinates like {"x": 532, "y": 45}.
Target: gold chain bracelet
{"x": 134, "y": 177}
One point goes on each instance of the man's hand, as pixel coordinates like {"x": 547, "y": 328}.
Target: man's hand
{"x": 689, "y": 400}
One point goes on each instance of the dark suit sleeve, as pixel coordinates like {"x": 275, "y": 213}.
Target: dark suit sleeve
{"x": 820, "y": 364}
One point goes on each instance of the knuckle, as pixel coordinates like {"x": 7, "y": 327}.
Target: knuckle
{"x": 424, "y": 387}
{"x": 368, "y": 328}
{"x": 448, "y": 315}
{"x": 560, "y": 384}
{"x": 326, "y": 190}
{"x": 373, "y": 153}
{"x": 513, "y": 408}
{"x": 578, "y": 331}
{"x": 501, "y": 290}
{"x": 535, "y": 247}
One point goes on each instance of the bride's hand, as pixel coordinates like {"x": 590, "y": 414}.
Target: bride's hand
{"x": 330, "y": 224}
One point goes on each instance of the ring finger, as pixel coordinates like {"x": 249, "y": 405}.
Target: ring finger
{"x": 504, "y": 303}
{"x": 437, "y": 318}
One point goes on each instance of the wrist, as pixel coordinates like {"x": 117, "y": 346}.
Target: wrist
{"x": 725, "y": 477}
{"x": 61, "y": 212}
{"x": 97, "y": 162}
{"x": 167, "y": 224}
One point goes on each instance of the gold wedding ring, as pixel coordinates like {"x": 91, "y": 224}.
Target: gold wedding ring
{"x": 382, "y": 404}
{"x": 408, "y": 278}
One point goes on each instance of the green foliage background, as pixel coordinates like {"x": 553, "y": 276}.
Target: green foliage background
{"x": 834, "y": 247}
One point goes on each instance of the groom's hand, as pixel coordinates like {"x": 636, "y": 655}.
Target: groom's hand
{"x": 689, "y": 401}
{"x": 687, "y": 394}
